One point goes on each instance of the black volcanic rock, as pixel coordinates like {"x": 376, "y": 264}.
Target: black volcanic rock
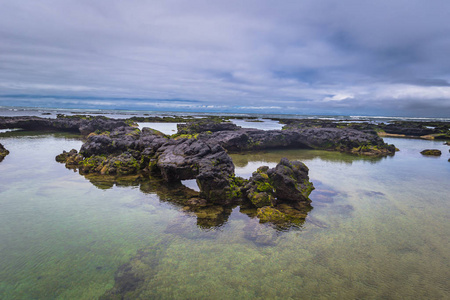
{"x": 288, "y": 182}
{"x": 127, "y": 150}
{"x": 344, "y": 140}
{"x": 206, "y": 125}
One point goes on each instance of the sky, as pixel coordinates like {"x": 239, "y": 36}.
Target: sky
{"x": 351, "y": 57}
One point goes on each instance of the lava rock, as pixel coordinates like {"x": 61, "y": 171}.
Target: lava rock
{"x": 206, "y": 125}
{"x": 337, "y": 139}
{"x": 287, "y": 182}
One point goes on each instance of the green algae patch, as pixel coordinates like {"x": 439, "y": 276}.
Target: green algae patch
{"x": 178, "y": 136}
{"x": 234, "y": 190}
{"x": 270, "y": 214}
{"x": 261, "y": 199}
{"x": 3, "y": 152}
{"x": 283, "y": 216}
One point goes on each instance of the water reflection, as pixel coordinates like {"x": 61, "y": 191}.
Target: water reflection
{"x": 208, "y": 216}
{"x": 274, "y": 156}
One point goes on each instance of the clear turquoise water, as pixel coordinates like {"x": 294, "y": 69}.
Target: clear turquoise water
{"x": 379, "y": 230}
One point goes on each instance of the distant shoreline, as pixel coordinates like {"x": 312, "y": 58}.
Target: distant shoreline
{"x": 10, "y": 111}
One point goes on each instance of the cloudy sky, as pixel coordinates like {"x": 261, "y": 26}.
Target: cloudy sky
{"x": 384, "y": 57}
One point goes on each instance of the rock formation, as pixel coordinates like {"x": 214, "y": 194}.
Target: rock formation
{"x": 336, "y": 139}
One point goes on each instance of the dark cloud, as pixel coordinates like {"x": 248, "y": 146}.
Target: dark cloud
{"x": 425, "y": 82}
{"x": 377, "y": 57}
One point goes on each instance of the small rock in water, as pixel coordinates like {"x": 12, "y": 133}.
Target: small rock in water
{"x": 431, "y": 152}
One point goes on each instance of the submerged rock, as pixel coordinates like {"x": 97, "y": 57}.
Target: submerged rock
{"x": 261, "y": 234}
{"x": 431, "y": 152}
{"x": 3, "y": 152}
{"x": 130, "y": 279}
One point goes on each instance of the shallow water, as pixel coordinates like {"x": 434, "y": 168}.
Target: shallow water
{"x": 166, "y": 128}
{"x": 379, "y": 229}
{"x": 263, "y": 124}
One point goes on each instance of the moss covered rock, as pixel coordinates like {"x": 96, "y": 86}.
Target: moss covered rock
{"x": 3, "y": 152}
{"x": 287, "y": 182}
{"x": 431, "y": 152}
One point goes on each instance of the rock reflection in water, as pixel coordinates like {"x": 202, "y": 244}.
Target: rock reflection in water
{"x": 207, "y": 215}
{"x": 241, "y": 160}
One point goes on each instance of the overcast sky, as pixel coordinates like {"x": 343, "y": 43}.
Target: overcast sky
{"x": 309, "y": 57}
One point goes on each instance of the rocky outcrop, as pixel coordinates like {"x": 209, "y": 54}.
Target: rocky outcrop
{"x": 281, "y": 194}
{"x": 287, "y": 182}
{"x": 431, "y": 152}
{"x": 344, "y": 140}
{"x": 426, "y": 130}
{"x": 127, "y": 151}
{"x": 81, "y": 124}
{"x": 206, "y": 125}
{"x": 3, "y": 152}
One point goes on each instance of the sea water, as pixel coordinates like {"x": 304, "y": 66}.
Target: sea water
{"x": 379, "y": 229}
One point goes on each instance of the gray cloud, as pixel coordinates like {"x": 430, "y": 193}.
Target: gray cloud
{"x": 378, "y": 57}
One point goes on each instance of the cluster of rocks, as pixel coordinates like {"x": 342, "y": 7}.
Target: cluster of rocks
{"x": 128, "y": 150}
{"x": 199, "y": 151}
{"x": 3, "y": 152}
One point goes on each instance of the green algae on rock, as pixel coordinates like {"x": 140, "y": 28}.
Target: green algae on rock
{"x": 3, "y": 152}
{"x": 431, "y": 152}
{"x": 287, "y": 182}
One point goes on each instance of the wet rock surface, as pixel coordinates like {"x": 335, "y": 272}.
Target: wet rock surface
{"x": 3, "y": 152}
